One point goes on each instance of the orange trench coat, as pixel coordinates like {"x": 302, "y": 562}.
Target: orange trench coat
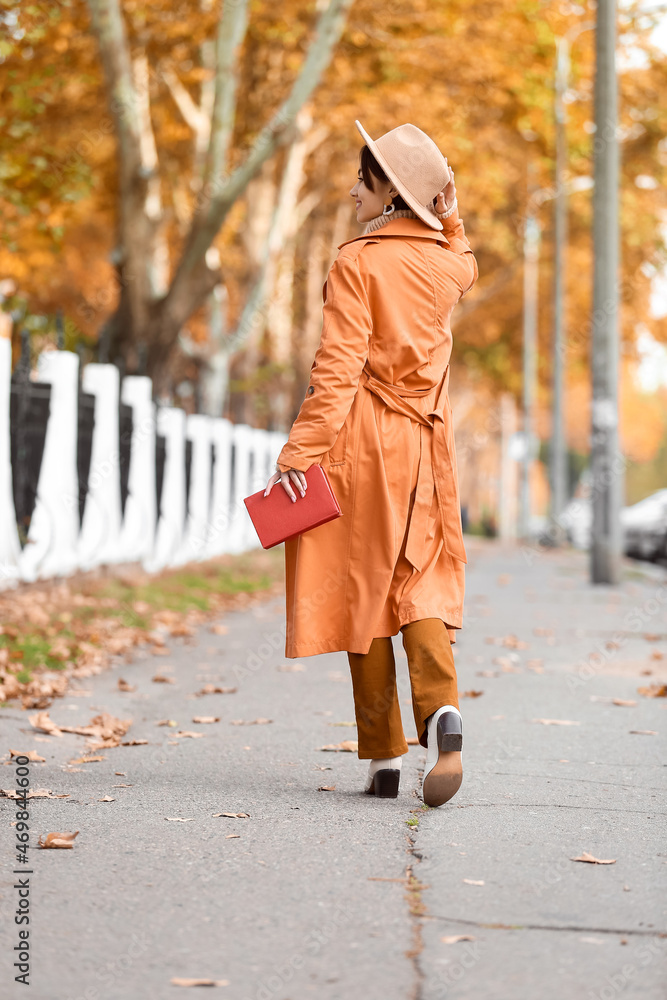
{"x": 376, "y": 416}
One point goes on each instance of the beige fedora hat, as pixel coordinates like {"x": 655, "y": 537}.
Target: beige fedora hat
{"x": 414, "y": 164}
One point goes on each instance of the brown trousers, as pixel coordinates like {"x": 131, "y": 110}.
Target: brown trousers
{"x": 432, "y": 679}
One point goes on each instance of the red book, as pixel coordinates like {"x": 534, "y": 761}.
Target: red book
{"x": 277, "y": 518}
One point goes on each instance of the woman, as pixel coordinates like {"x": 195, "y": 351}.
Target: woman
{"x": 376, "y": 416}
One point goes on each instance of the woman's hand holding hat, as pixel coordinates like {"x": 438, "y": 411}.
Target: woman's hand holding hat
{"x": 447, "y": 196}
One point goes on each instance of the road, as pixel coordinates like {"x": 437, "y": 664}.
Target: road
{"x": 331, "y": 894}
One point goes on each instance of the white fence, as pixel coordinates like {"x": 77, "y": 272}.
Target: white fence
{"x": 205, "y": 520}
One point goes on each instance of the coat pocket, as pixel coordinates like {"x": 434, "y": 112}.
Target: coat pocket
{"x": 338, "y": 451}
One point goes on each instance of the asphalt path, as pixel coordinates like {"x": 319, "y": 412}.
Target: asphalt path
{"x": 321, "y": 891}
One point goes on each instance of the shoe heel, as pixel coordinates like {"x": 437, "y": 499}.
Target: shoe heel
{"x": 450, "y": 731}
{"x": 386, "y": 783}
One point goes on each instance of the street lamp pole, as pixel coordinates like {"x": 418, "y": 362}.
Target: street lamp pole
{"x": 531, "y": 244}
{"x": 558, "y": 451}
{"x": 606, "y": 461}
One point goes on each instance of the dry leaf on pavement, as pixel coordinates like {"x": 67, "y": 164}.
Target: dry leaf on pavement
{"x": 167, "y": 722}
{"x": 219, "y": 629}
{"x": 214, "y": 689}
{"x": 30, "y": 754}
{"x": 107, "y": 798}
{"x": 471, "y": 694}
{"x": 327, "y": 788}
{"x": 58, "y": 840}
{"x": 179, "y": 819}
{"x": 177, "y": 981}
{"x": 35, "y": 793}
{"x": 472, "y": 881}
{"x": 134, "y": 743}
{"x": 233, "y": 815}
{"x": 86, "y": 760}
{"x": 185, "y": 732}
{"x": 42, "y": 722}
{"x": 161, "y": 679}
{"x": 353, "y": 724}
{"x": 455, "y": 938}
{"x": 232, "y": 836}
{"x": 623, "y": 701}
{"x": 593, "y": 861}
{"x": 251, "y": 722}
{"x": 557, "y": 722}
{"x": 351, "y": 746}
{"x": 513, "y": 642}
{"x": 124, "y": 686}
{"x": 204, "y": 719}
{"x": 643, "y": 732}
{"x": 653, "y": 691}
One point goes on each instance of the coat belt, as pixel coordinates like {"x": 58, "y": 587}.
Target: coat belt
{"x": 437, "y": 468}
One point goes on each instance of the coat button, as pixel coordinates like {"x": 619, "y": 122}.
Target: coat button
{"x": 311, "y": 390}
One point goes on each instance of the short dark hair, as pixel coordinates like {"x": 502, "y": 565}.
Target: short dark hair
{"x": 370, "y": 168}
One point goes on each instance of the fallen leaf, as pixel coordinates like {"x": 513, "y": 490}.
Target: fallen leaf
{"x": 124, "y": 686}
{"x": 322, "y": 767}
{"x": 160, "y": 651}
{"x": 353, "y": 724}
{"x": 58, "y": 840}
{"x": 161, "y": 679}
{"x": 623, "y": 701}
{"x": 232, "y": 836}
{"x": 219, "y": 629}
{"x": 472, "y": 881}
{"x": 204, "y": 719}
{"x": 122, "y": 785}
{"x": 133, "y": 743}
{"x": 233, "y": 815}
{"x": 107, "y": 798}
{"x": 653, "y": 691}
{"x": 351, "y": 746}
{"x": 184, "y": 732}
{"x": 327, "y": 788}
{"x": 121, "y": 774}
{"x": 455, "y": 938}
{"x": 167, "y": 722}
{"x": 86, "y": 760}
{"x": 657, "y": 654}
{"x": 42, "y": 722}
{"x": 199, "y": 982}
{"x": 35, "y": 793}
{"x": 504, "y": 579}
{"x": 652, "y": 637}
{"x": 214, "y": 689}
{"x": 557, "y": 722}
{"x": 535, "y": 665}
{"x": 593, "y": 861}
{"x": 30, "y": 754}
{"x": 251, "y": 722}
{"x": 643, "y": 732}
{"x": 104, "y": 726}
{"x": 179, "y": 819}
{"x": 488, "y": 673}
{"x": 471, "y": 694}
{"x": 513, "y": 642}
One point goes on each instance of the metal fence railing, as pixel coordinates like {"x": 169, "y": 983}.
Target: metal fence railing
{"x": 93, "y": 472}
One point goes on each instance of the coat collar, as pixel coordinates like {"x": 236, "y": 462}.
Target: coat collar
{"x": 401, "y": 227}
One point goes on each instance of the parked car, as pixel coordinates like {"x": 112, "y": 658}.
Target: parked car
{"x": 645, "y": 527}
